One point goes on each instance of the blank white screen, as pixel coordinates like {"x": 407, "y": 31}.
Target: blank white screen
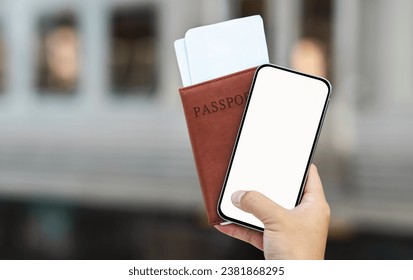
{"x": 276, "y": 139}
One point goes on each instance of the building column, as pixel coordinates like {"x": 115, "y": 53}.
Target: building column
{"x": 213, "y": 11}
{"x": 284, "y": 29}
{"x": 20, "y": 49}
{"x": 340, "y": 125}
{"x": 394, "y": 52}
{"x": 175, "y": 17}
{"x": 94, "y": 40}
{"x": 346, "y": 28}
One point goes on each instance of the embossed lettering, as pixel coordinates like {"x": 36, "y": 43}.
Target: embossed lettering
{"x": 220, "y": 105}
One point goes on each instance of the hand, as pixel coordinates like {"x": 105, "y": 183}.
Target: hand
{"x": 299, "y": 233}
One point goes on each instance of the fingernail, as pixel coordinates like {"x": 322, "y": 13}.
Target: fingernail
{"x": 236, "y": 198}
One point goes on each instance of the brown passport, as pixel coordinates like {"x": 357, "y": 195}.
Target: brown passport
{"x": 213, "y": 112}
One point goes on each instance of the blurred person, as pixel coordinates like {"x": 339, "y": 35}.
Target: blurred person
{"x": 309, "y": 56}
{"x": 62, "y": 57}
{"x": 299, "y": 233}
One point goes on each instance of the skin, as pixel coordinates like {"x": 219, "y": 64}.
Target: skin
{"x": 299, "y": 233}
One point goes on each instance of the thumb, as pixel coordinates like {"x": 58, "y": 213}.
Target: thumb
{"x": 263, "y": 208}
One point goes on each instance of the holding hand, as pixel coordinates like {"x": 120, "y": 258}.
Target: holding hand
{"x": 299, "y": 233}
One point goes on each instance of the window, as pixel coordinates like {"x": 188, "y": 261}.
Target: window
{"x": 133, "y": 35}
{"x": 58, "y": 57}
{"x": 314, "y": 49}
{"x": 251, "y": 7}
{"x": 312, "y": 52}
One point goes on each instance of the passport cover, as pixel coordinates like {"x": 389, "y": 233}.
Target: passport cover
{"x": 213, "y": 112}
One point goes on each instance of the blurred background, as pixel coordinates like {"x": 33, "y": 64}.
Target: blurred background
{"x": 95, "y": 159}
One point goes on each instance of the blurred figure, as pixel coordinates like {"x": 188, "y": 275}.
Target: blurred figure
{"x": 308, "y": 56}
{"x": 61, "y": 57}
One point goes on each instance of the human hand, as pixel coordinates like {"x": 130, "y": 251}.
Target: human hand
{"x": 299, "y": 233}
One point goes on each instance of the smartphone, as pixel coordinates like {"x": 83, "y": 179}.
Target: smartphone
{"x": 276, "y": 139}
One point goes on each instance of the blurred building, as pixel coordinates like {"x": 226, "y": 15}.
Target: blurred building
{"x": 89, "y": 103}
{"x": 90, "y": 113}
